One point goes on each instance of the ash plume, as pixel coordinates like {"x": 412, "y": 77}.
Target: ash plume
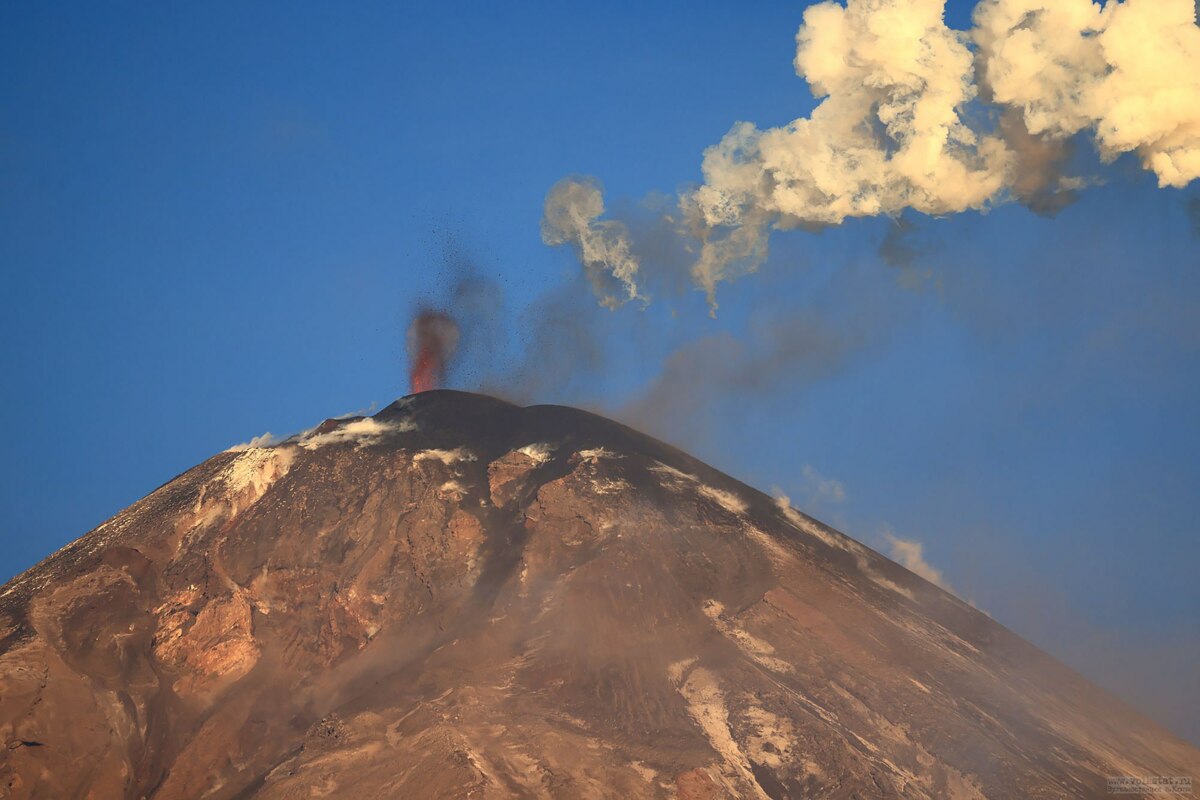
{"x": 783, "y": 349}
{"x": 563, "y": 351}
{"x": 1038, "y": 180}
{"x": 473, "y": 300}
{"x": 712, "y": 368}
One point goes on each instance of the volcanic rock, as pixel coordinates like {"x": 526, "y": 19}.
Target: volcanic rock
{"x": 459, "y": 597}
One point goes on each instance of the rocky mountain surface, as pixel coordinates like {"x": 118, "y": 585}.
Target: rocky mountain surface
{"x": 462, "y": 598}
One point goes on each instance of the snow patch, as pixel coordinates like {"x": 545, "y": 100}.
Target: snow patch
{"x": 647, "y": 774}
{"x": 706, "y": 706}
{"x": 539, "y": 453}
{"x": 596, "y": 453}
{"x": 677, "y": 479}
{"x": 608, "y": 485}
{"x": 818, "y": 531}
{"x": 770, "y": 738}
{"x": 882, "y": 581}
{"x": 668, "y": 471}
{"x": 726, "y": 500}
{"x": 677, "y": 670}
{"x": 780, "y": 556}
{"x": 447, "y": 457}
{"x": 257, "y": 467}
{"x": 758, "y": 650}
{"x": 360, "y": 433}
{"x": 805, "y": 525}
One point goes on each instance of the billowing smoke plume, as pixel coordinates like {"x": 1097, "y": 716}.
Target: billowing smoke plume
{"x": 432, "y": 340}
{"x": 572, "y": 216}
{"x": 888, "y": 135}
{"x": 1127, "y": 72}
{"x": 916, "y": 115}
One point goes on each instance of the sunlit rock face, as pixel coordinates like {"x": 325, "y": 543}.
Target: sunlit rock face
{"x": 463, "y": 598}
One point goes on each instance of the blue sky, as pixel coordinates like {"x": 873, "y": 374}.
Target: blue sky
{"x": 215, "y": 222}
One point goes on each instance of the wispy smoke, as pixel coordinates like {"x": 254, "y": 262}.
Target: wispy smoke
{"x": 817, "y": 485}
{"x": 914, "y": 115}
{"x": 572, "y": 216}
{"x": 683, "y": 400}
{"x": 267, "y": 439}
{"x": 909, "y": 553}
{"x": 906, "y": 247}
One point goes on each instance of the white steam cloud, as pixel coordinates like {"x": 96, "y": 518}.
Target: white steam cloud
{"x": 888, "y": 135}
{"x": 916, "y": 115}
{"x": 267, "y": 439}
{"x": 572, "y": 216}
{"x": 1127, "y": 72}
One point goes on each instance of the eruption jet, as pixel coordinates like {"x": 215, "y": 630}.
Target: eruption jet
{"x": 432, "y": 340}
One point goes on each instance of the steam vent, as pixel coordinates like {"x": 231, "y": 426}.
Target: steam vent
{"x": 462, "y": 598}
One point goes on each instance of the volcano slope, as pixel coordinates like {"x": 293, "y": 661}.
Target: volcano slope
{"x": 463, "y": 598}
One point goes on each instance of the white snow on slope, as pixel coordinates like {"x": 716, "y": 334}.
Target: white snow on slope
{"x": 595, "y": 454}
{"x": 256, "y": 467}
{"x": 447, "y": 457}
{"x": 540, "y": 452}
{"x": 678, "y": 480}
{"x": 805, "y": 525}
{"x": 360, "y": 432}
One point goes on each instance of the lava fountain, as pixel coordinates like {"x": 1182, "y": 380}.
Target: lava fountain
{"x": 432, "y": 339}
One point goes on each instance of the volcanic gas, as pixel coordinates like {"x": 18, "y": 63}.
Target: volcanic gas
{"x": 432, "y": 340}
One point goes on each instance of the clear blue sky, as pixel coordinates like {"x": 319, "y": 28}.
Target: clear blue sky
{"x": 214, "y": 221}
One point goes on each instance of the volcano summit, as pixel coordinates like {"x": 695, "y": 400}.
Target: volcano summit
{"x": 459, "y": 597}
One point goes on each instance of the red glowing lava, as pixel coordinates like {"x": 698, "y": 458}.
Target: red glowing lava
{"x": 432, "y": 339}
{"x": 423, "y": 376}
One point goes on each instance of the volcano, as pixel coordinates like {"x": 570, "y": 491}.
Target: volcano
{"x": 459, "y": 597}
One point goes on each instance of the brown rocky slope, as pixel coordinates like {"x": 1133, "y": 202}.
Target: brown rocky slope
{"x": 459, "y": 597}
